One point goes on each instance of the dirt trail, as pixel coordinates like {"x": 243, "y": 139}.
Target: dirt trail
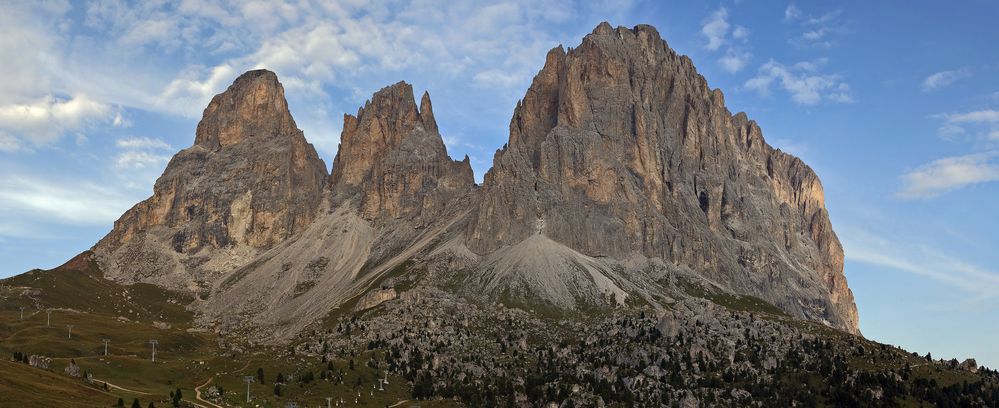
{"x": 197, "y": 390}
{"x": 197, "y": 394}
{"x": 98, "y": 381}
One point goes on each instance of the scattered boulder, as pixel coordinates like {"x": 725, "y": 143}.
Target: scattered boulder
{"x": 72, "y": 369}
{"x": 38, "y": 361}
{"x": 375, "y": 298}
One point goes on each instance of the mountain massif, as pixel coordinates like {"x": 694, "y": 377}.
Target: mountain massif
{"x": 634, "y": 244}
{"x": 624, "y": 181}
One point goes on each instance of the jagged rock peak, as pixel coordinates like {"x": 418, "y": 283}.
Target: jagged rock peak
{"x": 222, "y": 192}
{"x": 622, "y": 132}
{"x": 604, "y": 56}
{"x": 253, "y": 106}
{"x": 380, "y": 125}
{"x": 605, "y": 28}
{"x": 393, "y": 154}
{"x": 427, "y": 113}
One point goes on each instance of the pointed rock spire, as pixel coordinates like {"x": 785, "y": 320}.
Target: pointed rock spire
{"x": 427, "y": 113}
{"x": 222, "y": 192}
{"x": 253, "y": 106}
{"x": 392, "y": 158}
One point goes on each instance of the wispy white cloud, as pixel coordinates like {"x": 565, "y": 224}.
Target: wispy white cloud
{"x": 45, "y": 120}
{"x": 29, "y": 37}
{"x": 734, "y": 61}
{"x": 9, "y": 143}
{"x": 981, "y": 123}
{"x": 34, "y": 110}
{"x": 120, "y": 120}
{"x": 802, "y": 81}
{"x": 313, "y": 46}
{"x": 795, "y": 147}
{"x": 792, "y": 12}
{"x": 841, "y": 94}
{"x": 139, "y": 160}
{"x": 948, "y": 174}
{"x": 715, "y": 29}
{"x": 816, "y": 34}
{"x": 943, "y": 79}
{"x": 459, "y": 141}
{"x": 814, "y": 31}
{"x": 981, "y": 116}
{"x": 74, "y": 202}
{"x": 142, "y": 143}
{"x": 720, "y": 34}
{"x": 740, "y": 32}
{"x": 193, "y": 88}
{"x": 920, "y": 260}
{"x": 318, "y": 51}
{"x": 496, "y": 78}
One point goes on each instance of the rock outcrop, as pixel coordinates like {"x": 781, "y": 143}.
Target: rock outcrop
{"x": 620, "y": 148}
{"x": 250, "y": 180}
{"x": 72, "y": 369}
{"x": 38, "y": 361}
{"x": 969, "y": 365}
{"x": 393, "y": 161}
{"x": 374, "y": 298}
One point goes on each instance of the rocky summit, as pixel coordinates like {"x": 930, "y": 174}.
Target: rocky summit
{"x": 625, "y": 182}
{"x": 393, "y": 162}
{"x": 621, "y": 151}
{"x": 250, "y": 181}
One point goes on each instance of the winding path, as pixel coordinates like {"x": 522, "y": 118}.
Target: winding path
{"x": 197, "y": 390}
{"x": 197, "y": 395}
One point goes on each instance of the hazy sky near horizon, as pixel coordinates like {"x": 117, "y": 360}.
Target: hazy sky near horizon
{"x": 894, "y": 104}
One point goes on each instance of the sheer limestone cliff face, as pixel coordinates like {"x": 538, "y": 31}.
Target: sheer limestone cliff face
{"x": 250, "y": 180}
{"x": 620, "y": 148}
{"x": 393, "y": 162}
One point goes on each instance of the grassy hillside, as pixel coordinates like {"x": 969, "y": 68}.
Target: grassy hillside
{"x": 130, "y": 316}
{"x": 78, "y": 285}
{"x": 22, "y": 386}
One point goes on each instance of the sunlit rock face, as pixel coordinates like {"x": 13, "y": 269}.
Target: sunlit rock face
{"x": 250, "y": 179}
{"x": 621, "y": 148}
{"x": 392, "y": 159}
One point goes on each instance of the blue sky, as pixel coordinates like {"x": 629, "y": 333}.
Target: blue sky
{"x": 894, "y": 104}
